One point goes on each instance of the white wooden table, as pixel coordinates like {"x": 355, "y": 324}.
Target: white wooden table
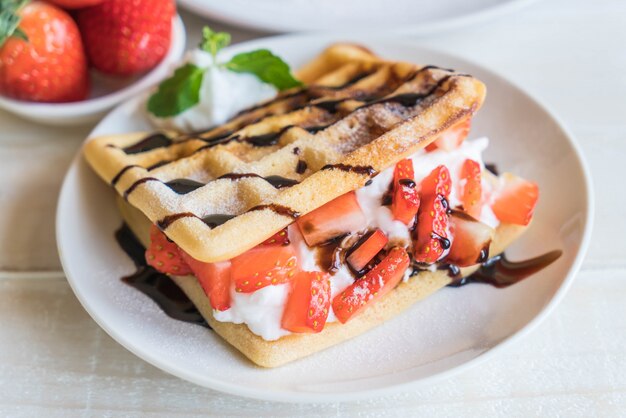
{"x": 55, "y": 361}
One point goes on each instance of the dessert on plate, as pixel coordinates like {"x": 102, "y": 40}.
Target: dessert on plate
{"x": 317, "y": 214}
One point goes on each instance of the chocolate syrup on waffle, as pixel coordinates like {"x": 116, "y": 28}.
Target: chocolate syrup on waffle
{"x": 267, "y": 140}
{"x": 136, "y": 184}
{"x": 157, "y": 286}
{"x": 499, "y": 271}
{"x": 279, "y": 209}
{"x": 184, "y": 186}
{"x": 408, "y": 99}
{"x": 119, "y": 175}
{"x": 301, "y": 167}
{"x": 158, "y": 164}
{"x": 158, "y": 140}
{"x": 170, "y": 219}
{"x": 358, "y": 169}
{"x": 278, "y": 182}
{"x": 213, "y": 221}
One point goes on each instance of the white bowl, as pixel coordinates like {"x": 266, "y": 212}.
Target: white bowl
{"x": 441, "y": 335}
{"x": 106, "y": 92}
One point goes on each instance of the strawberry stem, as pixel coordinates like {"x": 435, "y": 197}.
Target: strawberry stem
{"x": 10, "y": 20}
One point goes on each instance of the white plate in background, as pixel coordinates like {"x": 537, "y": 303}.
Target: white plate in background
{"x": 415, "y": 17}
{"x": 444, "y": 334}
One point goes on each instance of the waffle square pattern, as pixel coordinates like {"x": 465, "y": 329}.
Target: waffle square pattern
{"x": 219, "y": 192}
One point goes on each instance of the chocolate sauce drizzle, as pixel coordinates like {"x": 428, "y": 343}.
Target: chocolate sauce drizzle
{"x": 157, "y": 286}
{"x": 408, "y": 99}
{"x": 278, "y": 182}
{"x": 358, "y": 169}
{"x": 136, "y": 184}
{"x": 211, "y": 221}
{"x": 267, "y": 140}
{"x": 279, "y": 209}
{"x": 329, "y": 254}
{"x": 184, "y": 186}
{"x": 119, "y": 175}
{"x": 158, "y": 140}
{"x": 170, "y": 219}
{"x": 301, "y": 167}
{"x": 500, "y": 272}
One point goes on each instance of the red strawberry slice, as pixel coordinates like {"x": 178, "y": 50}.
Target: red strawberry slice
{"x": 432, "y": 221}
{"x": 263, "y": 265}
{"x": 405, "y": 201}
{"x": 366, "y": 249}
{"x": 471, "y": 240}
{"x": 515, "y": 200}
{"x": 307, "y": 307}
{"x": 214, "y": 279}
{"x": 279, "y": 238}
{"x": 452, "y": 137}
{"x": 163, "y": 254}
{"x": 337, "y": 217}
{"x": 471, "y": 188}
{"x": 376, "y": 283}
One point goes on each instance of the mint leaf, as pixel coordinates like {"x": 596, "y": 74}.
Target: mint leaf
{"x": 177, "y": 93}
{"x": 268, "y": 67}
{"x": 212, "y": 42}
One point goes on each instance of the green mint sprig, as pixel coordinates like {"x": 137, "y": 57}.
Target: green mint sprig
{"x": 182, "y": 90}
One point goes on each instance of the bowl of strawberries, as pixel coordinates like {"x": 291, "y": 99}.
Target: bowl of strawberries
{"x": 67, "y": 62}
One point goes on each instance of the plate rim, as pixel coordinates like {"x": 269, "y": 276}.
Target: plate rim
{"x": 310, "y": 397}
{"x": 428, "y": 28}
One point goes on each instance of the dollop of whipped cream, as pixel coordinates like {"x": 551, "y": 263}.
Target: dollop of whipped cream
{"x": 223, "y": 94}
{"x": 262, "y": 310}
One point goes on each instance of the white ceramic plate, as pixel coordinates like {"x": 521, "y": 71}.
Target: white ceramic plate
{"x": 106, "y": 92}
{"x": 443, "y": 334}
{"x": 415, "y": 17}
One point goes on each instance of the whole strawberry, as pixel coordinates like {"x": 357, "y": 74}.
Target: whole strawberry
{"x": 41, "y": 53}
{"x": 124, "y": 37}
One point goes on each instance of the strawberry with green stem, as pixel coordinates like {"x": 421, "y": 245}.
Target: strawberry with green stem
{"x": 41, "y": 53}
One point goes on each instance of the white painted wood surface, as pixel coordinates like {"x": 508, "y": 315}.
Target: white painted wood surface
{"x": 55, "y": 361}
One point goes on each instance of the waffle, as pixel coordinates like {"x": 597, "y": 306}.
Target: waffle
{"x": 220, "y": 192}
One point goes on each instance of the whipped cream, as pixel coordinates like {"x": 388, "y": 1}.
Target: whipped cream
{"x": 223, "y": 94}
{"x": 262, "y": 310}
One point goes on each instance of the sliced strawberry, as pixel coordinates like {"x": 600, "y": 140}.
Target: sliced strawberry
{"x": 262, "y": 266}
{"x": 337, "y": 217}
{"x": 307, "y": 307}
{"x": 368, "y": 246}
{"x": 452, "y": 137}
{"x": 470, "y": 240}
{"x": 471, "y": 188}
{"x": 514, "y": 201}
{"x": 432, "y": 218}
{"x": 214, "y": 279}
{"x": 376, "y": 283}
{"x": 405, "y": 201}
{"x": 279, "y": 238}
{"x": 163, "y": 254}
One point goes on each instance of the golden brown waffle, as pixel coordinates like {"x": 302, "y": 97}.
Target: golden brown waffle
{"x": 220, "y": 192}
